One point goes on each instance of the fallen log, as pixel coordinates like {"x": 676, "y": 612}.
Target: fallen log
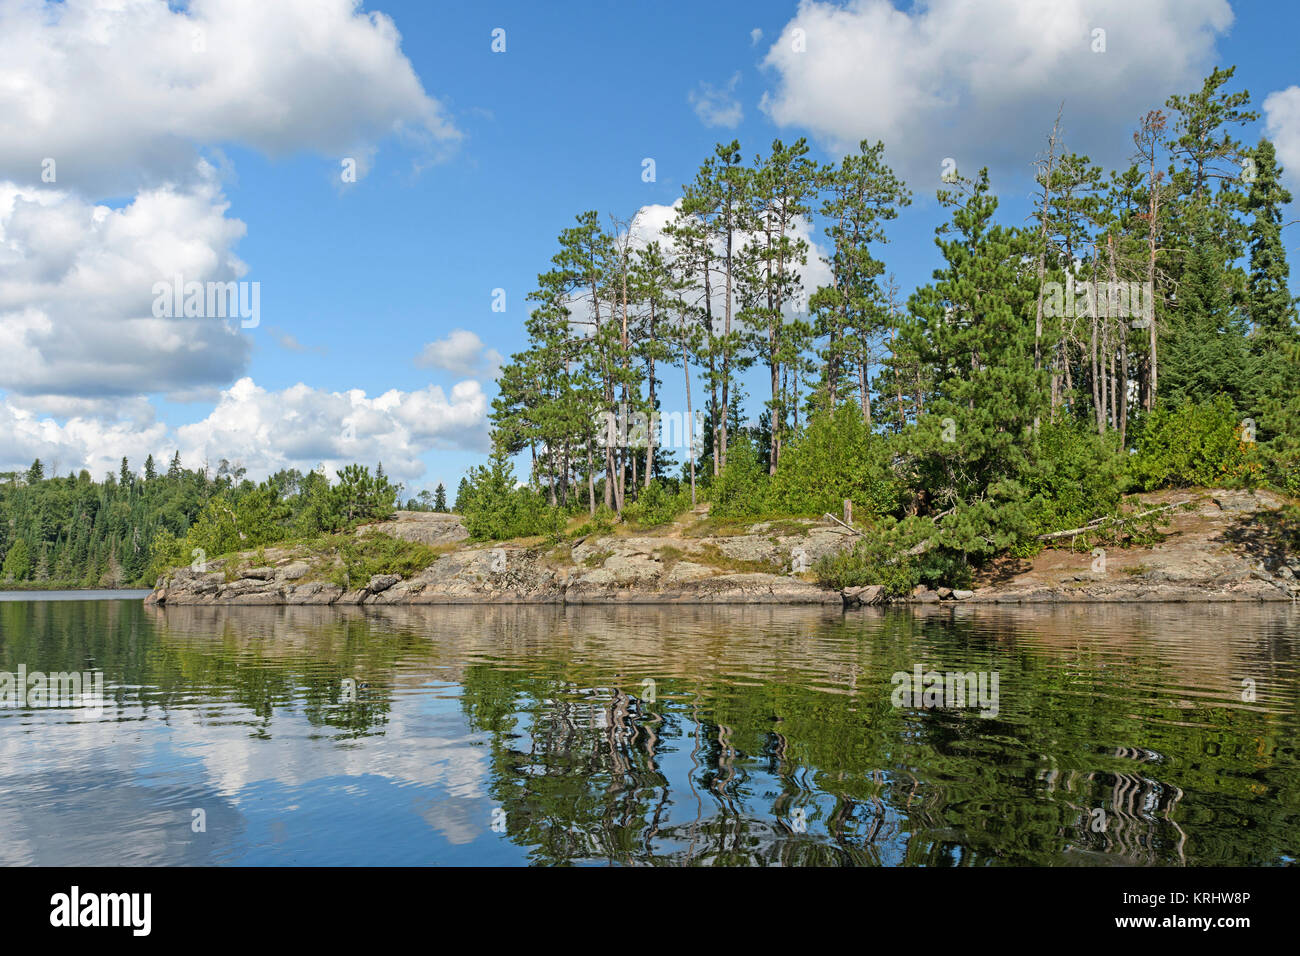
{"x": 1103, "y": 521}
{"x": 850, "y": 528}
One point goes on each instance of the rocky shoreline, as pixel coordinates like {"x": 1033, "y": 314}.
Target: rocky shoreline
{"x": 1218, "y": 549}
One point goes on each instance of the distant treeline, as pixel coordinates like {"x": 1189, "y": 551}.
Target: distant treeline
{"x": 74, "y": 531}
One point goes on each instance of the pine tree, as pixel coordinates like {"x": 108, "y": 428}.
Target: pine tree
{"x": 655, "y": 291}
{"x": 976, "y": 332}
{"x": 440, "y": 498}
{"x": 1271, "y": 310}
{"x": 708, "y": 231}
{"x": 1203, "y": 142}
{"x": 781, "y": 188}
{"x": 863, "y": 193}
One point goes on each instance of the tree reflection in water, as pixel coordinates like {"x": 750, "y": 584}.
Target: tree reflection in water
{"x": 765, "y": 736}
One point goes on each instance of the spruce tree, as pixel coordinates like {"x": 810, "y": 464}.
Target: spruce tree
{"x": 1274, "y": 396}
{"x": 18, "y": 562}
{"x": 1269, "y": 305}
{"x": 1207, "y": 351}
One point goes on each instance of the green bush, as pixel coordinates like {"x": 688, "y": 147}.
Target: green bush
{"x": 1194, "y": 443}
{"x": 18, "y": 562}
{"x": 657, "y": 504}
{"x": 168, "y": 552}
{"x": 741, "y": 490}
{"x": 940, "y": 567}
{"x": 493, "y": 508}
{"x": 602, "y": 522}
{"x": 366, "y": 555}
{"x": 230, "y": 523}
{"x": 1282, "y": 451}
{"x": 880, "y": 557}
{"x": 836, "y": 457}
{"x": 1075, "y": 476}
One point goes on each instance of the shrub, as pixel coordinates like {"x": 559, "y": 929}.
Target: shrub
{"x": 836, "y": 457}
{"x": 168, "y": 552}
{"x": 364, "y": 556}
{"x": 1193, "y": 444}
{"x": 1075, "y": 476}
{"x": 228, "y": 524}
{"x": 880, "y": 557}
{"x": 657, "y": 504}
{"x": 1282, "y": 451}
{"x": 741, "y": 490}
{"x": 602, "y": 522}
{"x": 493, "y": 508}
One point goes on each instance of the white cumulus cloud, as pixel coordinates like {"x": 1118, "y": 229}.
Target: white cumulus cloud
{"x": 1282, "y": 120}
{"x": 461, "y": 352}
{"x": 77, "y": 291}
{"x": 264, "y": 431}
{"x": 981, "y": 82}
{"x": 119, "y": 93}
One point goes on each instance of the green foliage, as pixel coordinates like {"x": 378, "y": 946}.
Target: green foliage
{"x": 249, "y": 518}
{"x": 880, "y": 557}
{"x": 18, "y": 562}
{"x": 836, "y": 457}
{"x": 462, "y": 495}
{"x": 493, "y": 508}
{"x": 1283, "y": 452}
{"x": 602, "y": 522}
{"x": 230, "y": 523}
{"x": 360, "y": 496}
{"x": 657, "y": 504}
{"x": 1208, "y": 352}
{"x": 897, "y": 555}
{"x": 742, "y": 488}
{"x": 1075, "y": 477}
{"x": 1194, "y": 443}
{"x": 997, "y": 522}
{"x": 168, "y": 552}
{"x": 987, "y": 394}
{"x": 83, "y": 533}
{"x": 365, "y": 555}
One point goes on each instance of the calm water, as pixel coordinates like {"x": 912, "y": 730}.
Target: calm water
{"x": 83, "y": 595}
{"x": 528, "y": 735}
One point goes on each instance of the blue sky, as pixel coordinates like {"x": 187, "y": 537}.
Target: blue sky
{"x": 493, "y": 155}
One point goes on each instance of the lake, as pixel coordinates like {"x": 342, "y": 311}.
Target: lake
{"x": 695, "y": 735}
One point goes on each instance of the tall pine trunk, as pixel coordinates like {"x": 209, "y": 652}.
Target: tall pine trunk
{"x": 690, "y": 417}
